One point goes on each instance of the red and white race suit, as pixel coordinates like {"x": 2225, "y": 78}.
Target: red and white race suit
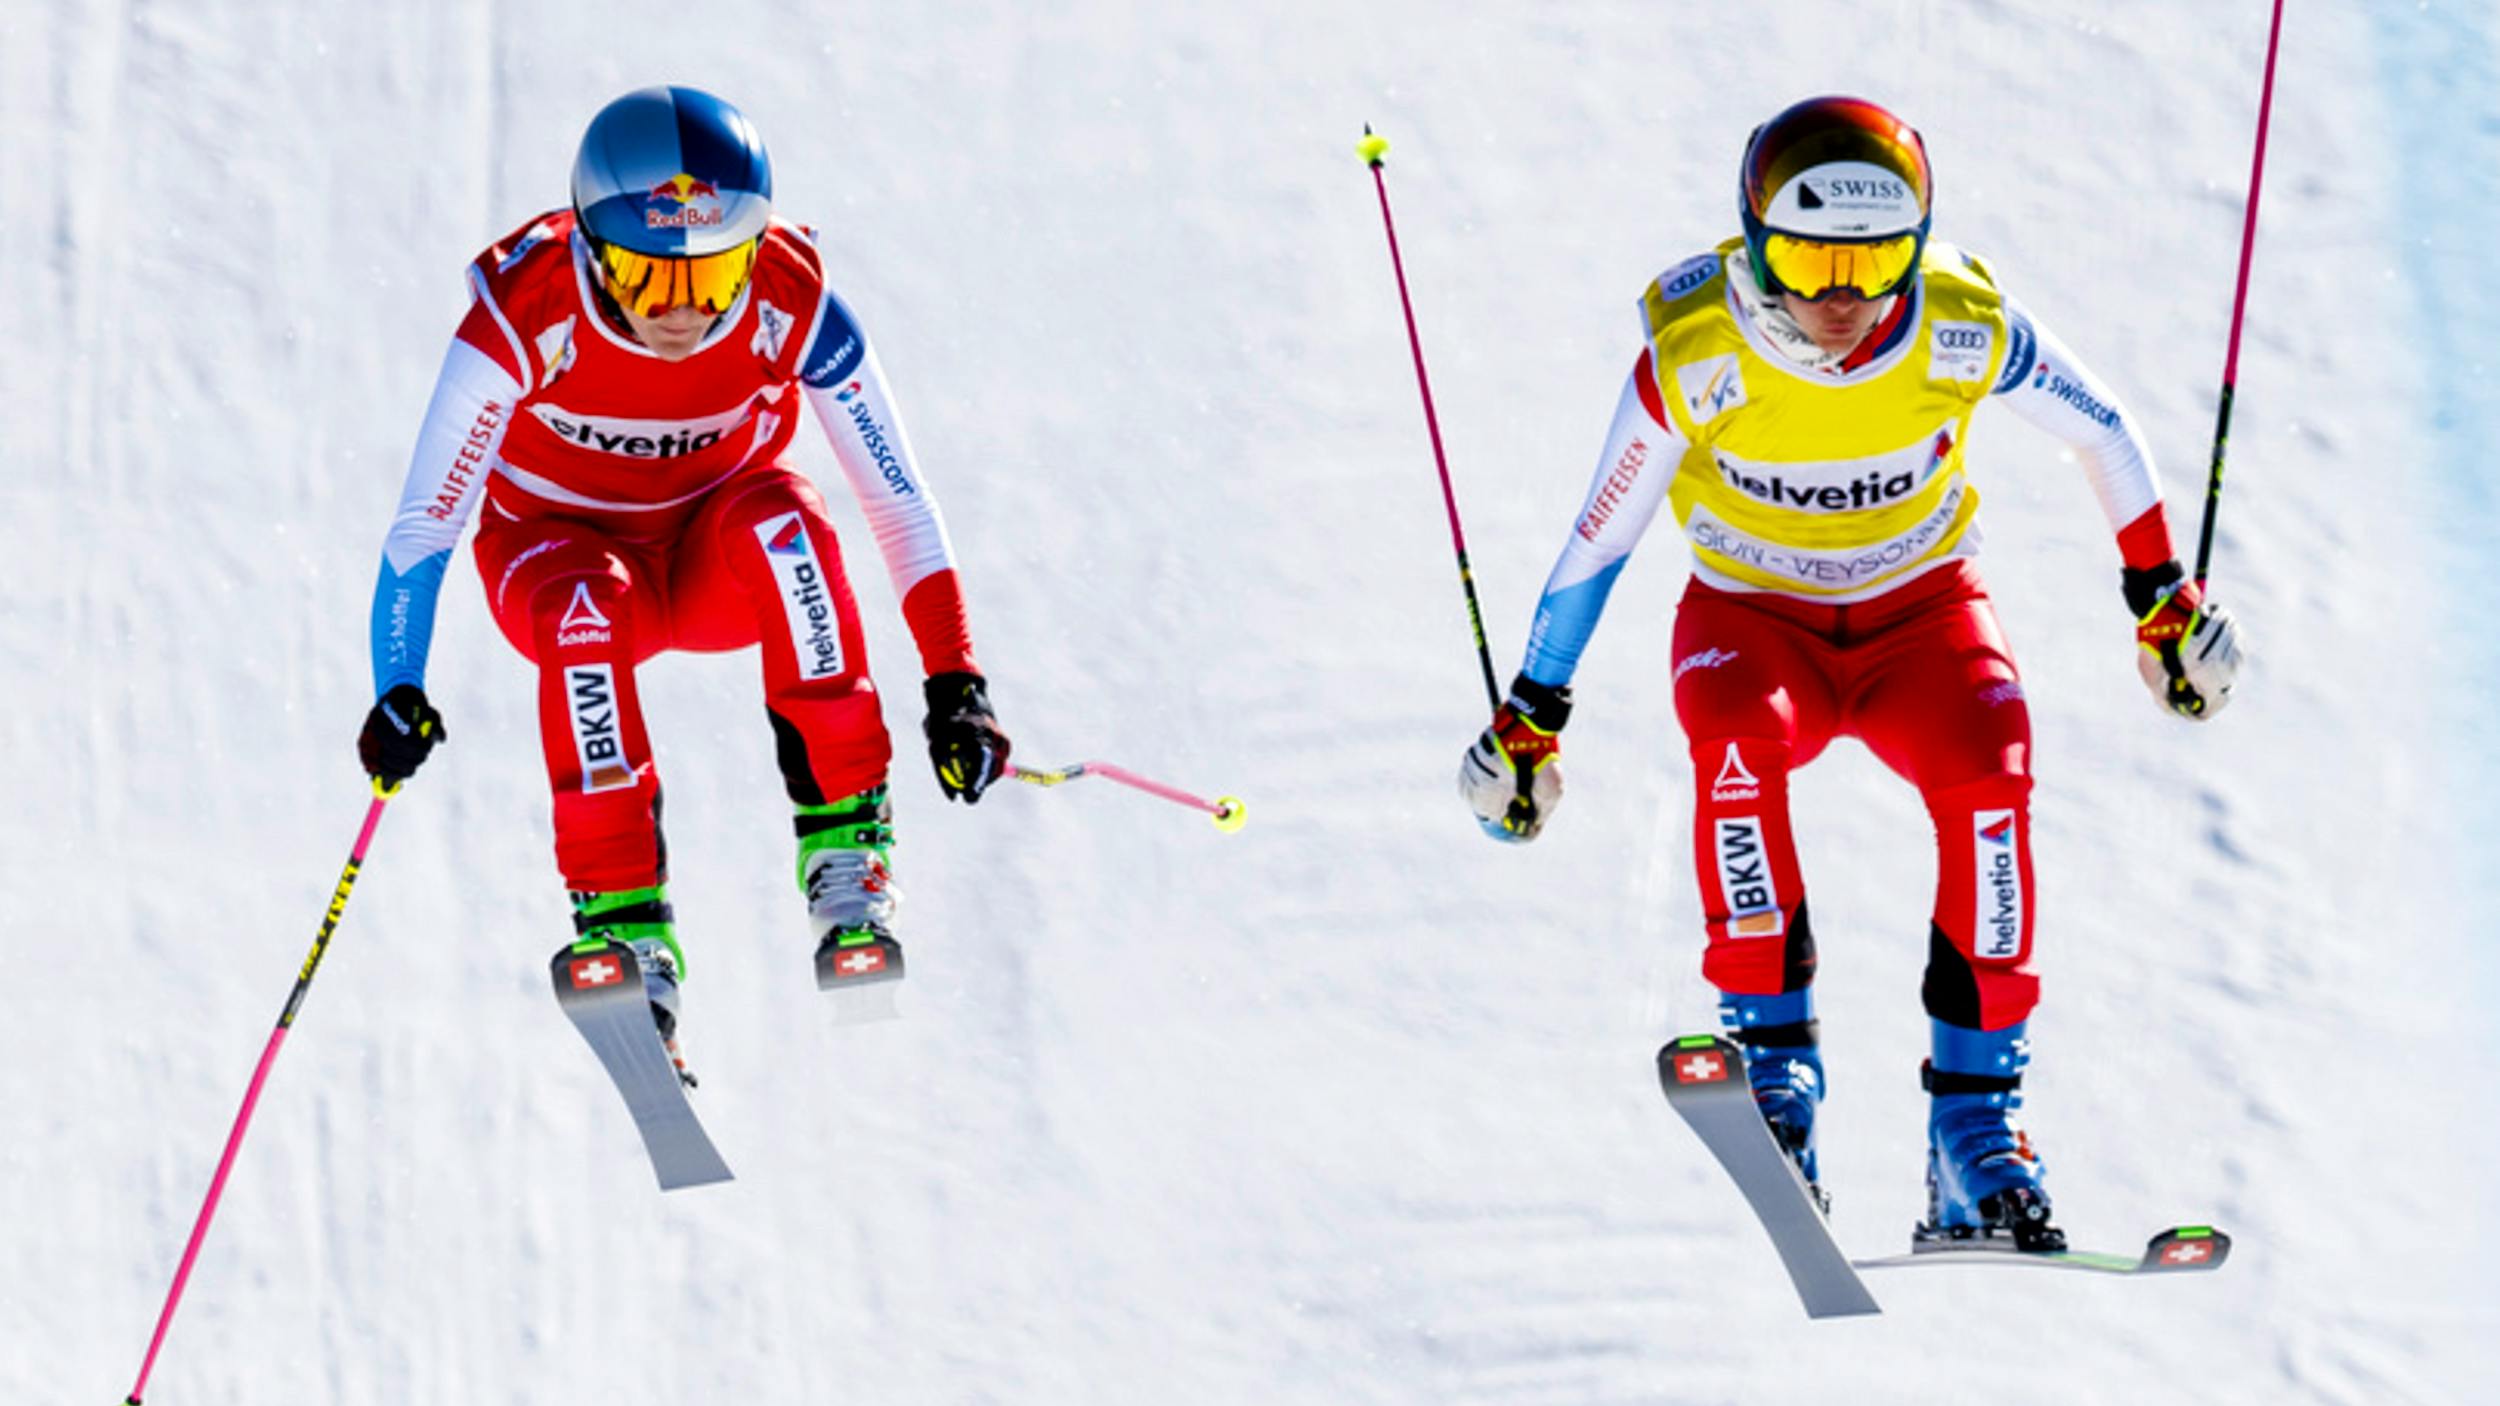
{"x": 634, "y": 505}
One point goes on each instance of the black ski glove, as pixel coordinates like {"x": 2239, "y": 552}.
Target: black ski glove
{"x": 965, "y": 744}
{"x": 398, "y": 733}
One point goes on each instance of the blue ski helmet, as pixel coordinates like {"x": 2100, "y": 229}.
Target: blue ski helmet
{"x": 672, "y": 172}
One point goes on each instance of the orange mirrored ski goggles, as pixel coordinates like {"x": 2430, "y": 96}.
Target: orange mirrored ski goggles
{"x": 652, "y": 284}
{"x": 1812, "y": 269}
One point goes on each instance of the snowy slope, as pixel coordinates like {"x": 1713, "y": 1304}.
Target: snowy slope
{"x": 1354, "y": 1106}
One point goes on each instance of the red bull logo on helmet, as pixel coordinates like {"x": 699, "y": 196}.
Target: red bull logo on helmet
{"x": 684, "y": 192}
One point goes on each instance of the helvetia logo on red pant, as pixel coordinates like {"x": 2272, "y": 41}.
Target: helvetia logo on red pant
{"x": 590, "y": 700}
{"x": 815, "y": 632}
{"x": 1997, "y": 922}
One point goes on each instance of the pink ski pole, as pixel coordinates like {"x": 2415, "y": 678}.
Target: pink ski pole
{"x": 1374, "y": 149}
{"x": 382, "y": 793}
{"x": 2239, "y": 306}
{"x": 1226, "y": 811}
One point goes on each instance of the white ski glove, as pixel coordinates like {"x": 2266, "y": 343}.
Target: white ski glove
{"x": 1510, "y": 777}
{"x": 2188, "y": 649}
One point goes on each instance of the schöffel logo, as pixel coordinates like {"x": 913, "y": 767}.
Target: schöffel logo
{"x": 2022, "y": 344}
{"x": 815, "y": 631}
{"x": 872, "y": 437}
{"x": 590, "y": 697}
{"x": 583, "y": 623}
{"x": 826, "y": 369}
{"x": 1734, "y": 782}
{"x": 1745, "y": 879}
{"x": 2048, "y": 379}
{"x": 834, "y": 349}
{"x": 1997, "y": 926}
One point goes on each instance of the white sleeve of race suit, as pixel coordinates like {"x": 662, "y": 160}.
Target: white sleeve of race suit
{"x": 840, "y": 372}
{"x": 2046, "y": 385}
{"x": 1633, "y": 472}
{"x": 463, "y": 430}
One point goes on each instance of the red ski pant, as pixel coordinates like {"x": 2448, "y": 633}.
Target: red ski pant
{"x": 752, "y": 561}
{"x": 1922, "y": 676}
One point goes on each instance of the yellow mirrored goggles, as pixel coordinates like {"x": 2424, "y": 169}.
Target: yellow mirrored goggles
{"x": 1812, "y": 269}
{"x": 649, "y": 285}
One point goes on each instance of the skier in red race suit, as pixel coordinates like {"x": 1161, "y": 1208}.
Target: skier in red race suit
{"x": 1803, "y": 404}
{"x": 622, "y": 397}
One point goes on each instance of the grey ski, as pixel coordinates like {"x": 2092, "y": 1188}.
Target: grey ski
{"x": 1704, "y": 1079}
{"x": 863, "y": 977}
{"x": 2182, "y": 1249}
{"x": 600, "y": 988}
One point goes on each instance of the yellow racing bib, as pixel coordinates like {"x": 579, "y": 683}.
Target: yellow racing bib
{"x": 1830, "y": 487}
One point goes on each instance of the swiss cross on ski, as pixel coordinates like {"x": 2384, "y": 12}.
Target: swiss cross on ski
{"x": 597, "y": 971}
{"x": 2188, "y": 1252}
{"x": 861, "y": 962}
{"x": 1701, "y": 1067}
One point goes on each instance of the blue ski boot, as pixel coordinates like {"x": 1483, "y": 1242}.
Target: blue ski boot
{"x": 1784, "y": 1064}
{"x": 1983, "y": 1178}
{"x": 642, "y": 920}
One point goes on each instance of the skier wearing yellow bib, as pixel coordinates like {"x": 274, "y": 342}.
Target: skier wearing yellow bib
{"x": 1802, "y": 408}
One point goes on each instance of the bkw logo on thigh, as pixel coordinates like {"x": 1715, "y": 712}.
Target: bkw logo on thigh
{"x": 1753, "y": 902}
{"x": 598, "y": 743}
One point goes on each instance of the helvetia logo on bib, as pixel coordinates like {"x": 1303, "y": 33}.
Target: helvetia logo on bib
{"x": 815, "y": 632}
{"x": 1997, "y": 923}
